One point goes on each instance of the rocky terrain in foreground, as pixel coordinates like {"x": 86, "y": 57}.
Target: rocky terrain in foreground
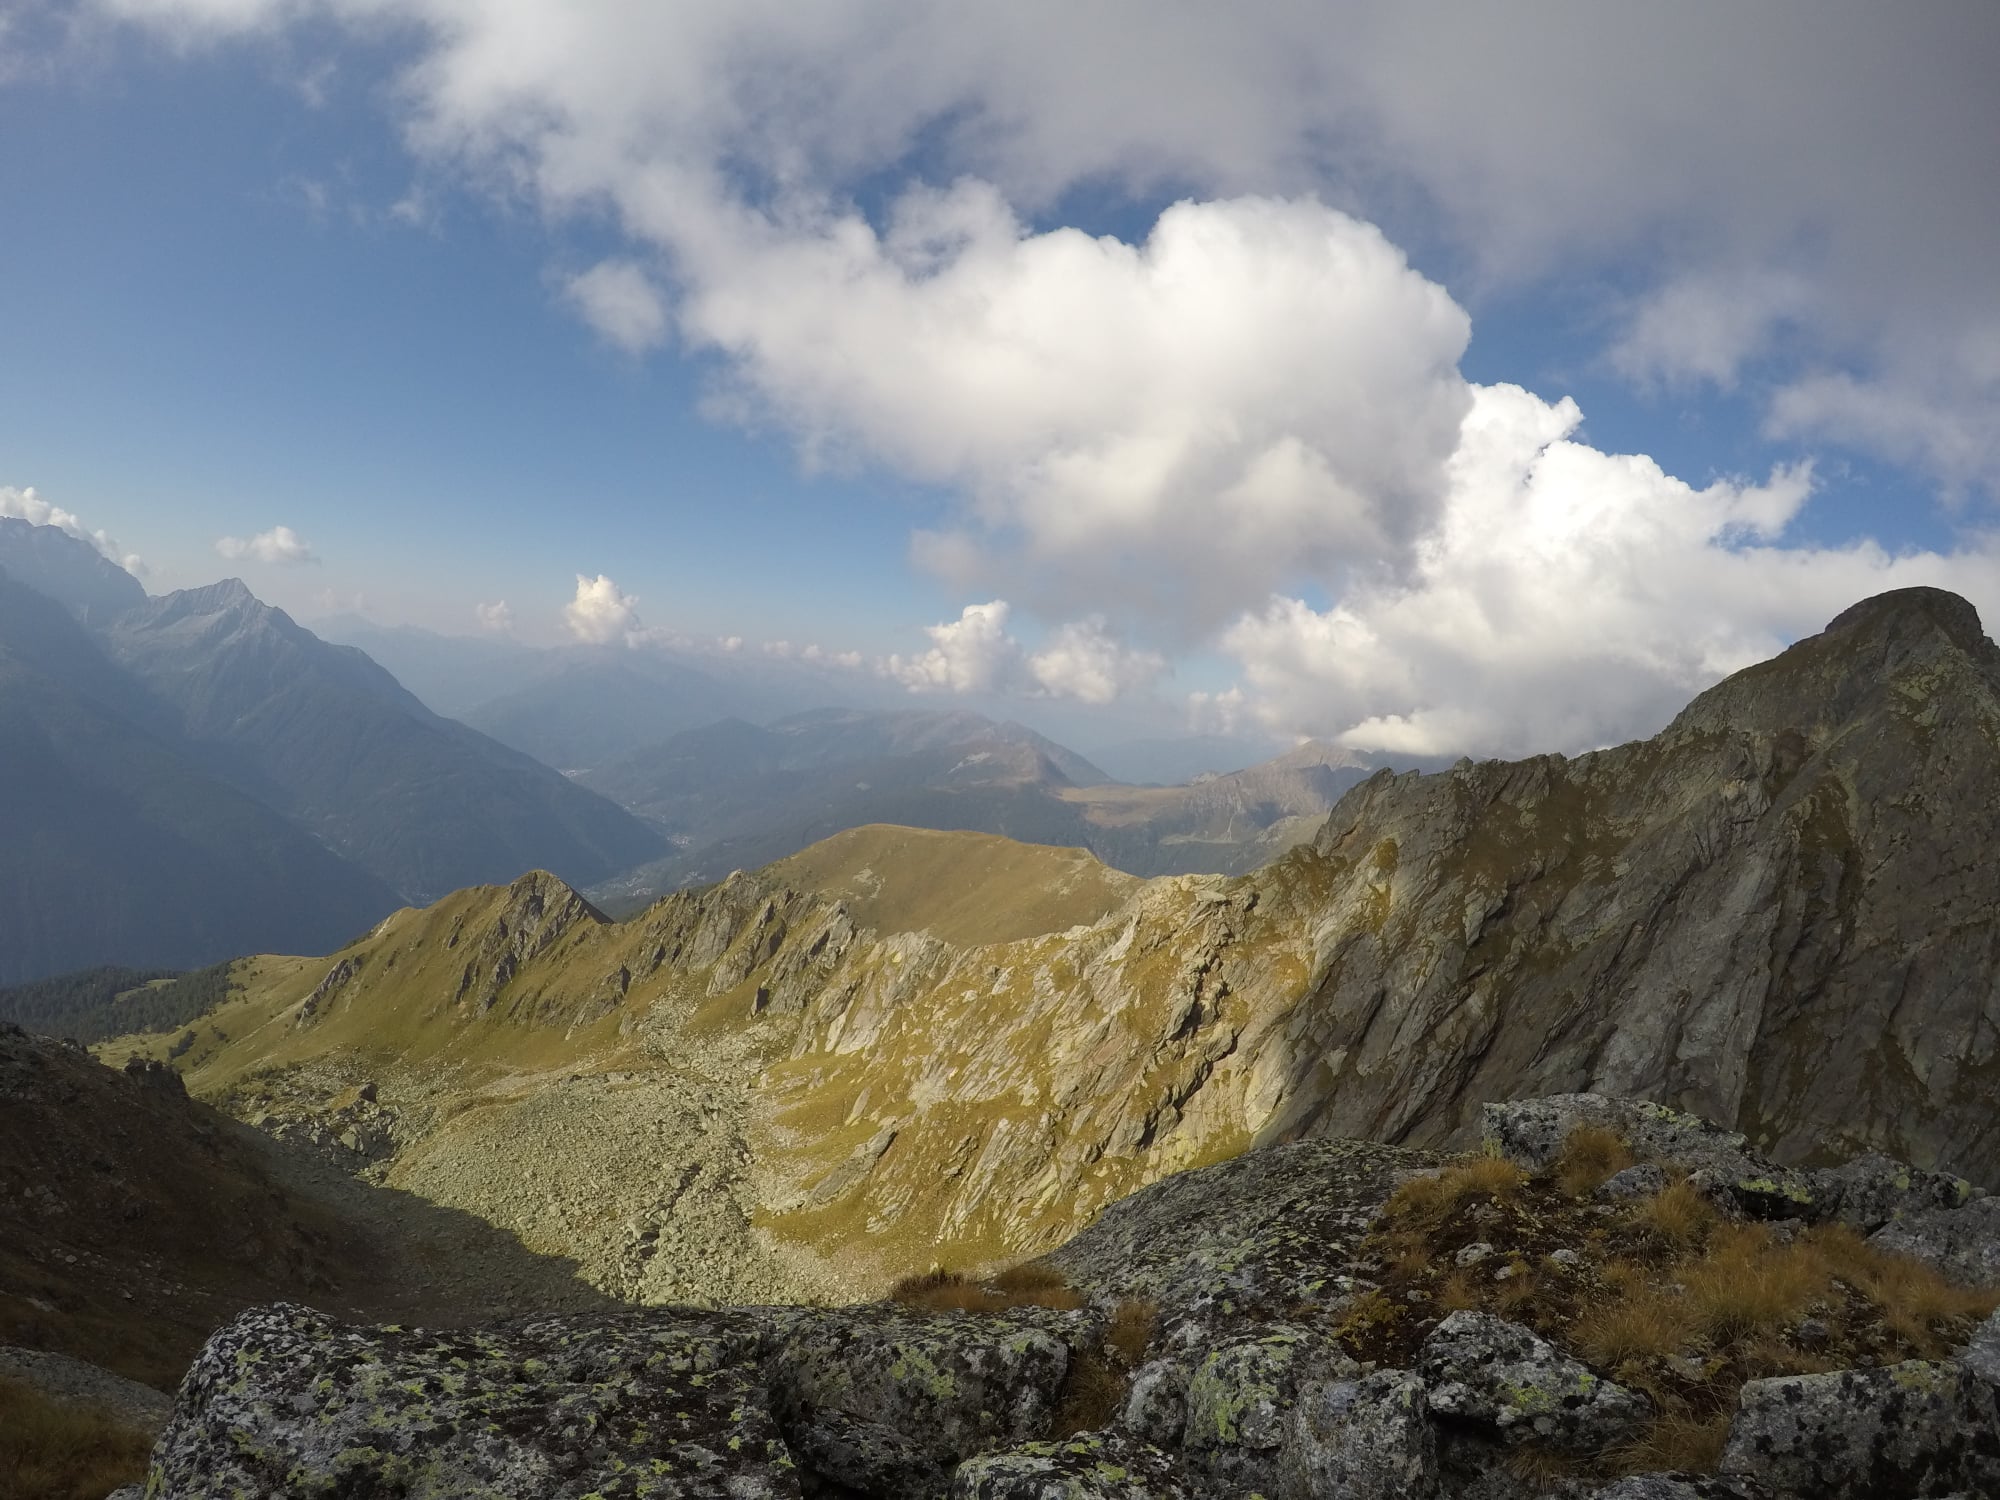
{"x": 1283, "y": 1349}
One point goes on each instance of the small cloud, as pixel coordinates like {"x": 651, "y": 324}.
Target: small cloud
{"x": 26, "y": 505}
{"x": 497, "y": 617}
{"x": 619, "y": 300}
{"x": 601, "y": 612}
{"x": 280, "y": 545}
{"x": 975, "y": 654}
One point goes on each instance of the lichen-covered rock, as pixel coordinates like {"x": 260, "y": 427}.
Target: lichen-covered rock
{"x": 1681, "y": 1487}
{"x": 1960, "y": 1243}
{"x": 1089, "y": 1466}
{"x": 1872, "y": 1190}
{"x": 1531, "y": 1132}
{"x": 1361, "y": 1439}
{"x": 284, "y": 1401}
{"x": 1877, "y": 1434}
{"x": 1239, "y": 1401}
{"x": 1222, "y": 1247}
{"x": 1981, "y": 1356}
{"x": 1641, "y": 1181}
{"x": 1499, "y": 1375}
{"x": 950, "y": 1384}
{"x": 878, "y": 1460}
{"x": 1155, "y": 1407}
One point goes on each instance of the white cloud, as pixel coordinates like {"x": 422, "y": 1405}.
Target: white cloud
{"x": 1548, "y": 145}
{"x": 497, "y": 617}
{"x": 27, "y": 505}
{"x": 280, "y": 545}
{"x": 1708, "y": 325}
{"x": 972, "y": 654}
{"x": 601, "y": 612}
{"x": 1568, "y": 598}
{"x": 1083, "y": 661}
{"x": 1260, "y": 392}
{"x": 620, "y": 301}
{"x": 976, "y": 654}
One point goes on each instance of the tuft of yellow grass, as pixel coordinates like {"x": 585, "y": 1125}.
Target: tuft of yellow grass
{"x": 60, "y": 1451}
{"x": 1430, "y": 1199}
{"x": 1677, "y": 1441}
{"x": 1746, "y": 1285}
{"x": 1591, "y": 1155}
{"x": 1643, "y": 1323}
{"x": 1678, "y": 1216}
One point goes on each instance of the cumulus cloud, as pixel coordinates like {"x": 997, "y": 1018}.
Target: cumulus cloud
{"x": 1257, "y": 409}
{"x": 27, "y": 505}
{"x": 1261, "y": 391}
{"x": 1568, "y": 598}
{"x": 619, "y": 300}
{"x": 976, "y": 654}
{"x": 1543, "y": 145}
{"x": 497, "y": 617}
{"x": 601, "y": 612}
{"x": 280, "y": 545}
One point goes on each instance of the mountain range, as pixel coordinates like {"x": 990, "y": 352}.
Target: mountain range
{"x": 735, "y": 795}
{"x": 195, "y": 776}
{"x": 1776, "y": 913}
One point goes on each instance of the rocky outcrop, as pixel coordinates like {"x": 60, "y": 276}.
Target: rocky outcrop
{"x": 740, "y": 1403}
{"x": 1493, "y": 1374}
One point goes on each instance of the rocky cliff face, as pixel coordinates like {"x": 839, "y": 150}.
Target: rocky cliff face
{"x": 1775, "y": 913}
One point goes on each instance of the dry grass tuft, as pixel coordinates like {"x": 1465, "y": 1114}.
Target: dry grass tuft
{"x": 1915, "y": 1302}
{"x": 1591, "y": 1156}
{"x": 1678, "y": 1217}
{"x": 1434, "y": 1197}
{"x": 1092, "y": 1391}
{"x": 1133, "y": 1324}
{"x": 1748, "y": 1286}
{"x": 1679, "y": 1442}
{"x": 1641, "y": 1325}
{"x": 63, "y": 1452}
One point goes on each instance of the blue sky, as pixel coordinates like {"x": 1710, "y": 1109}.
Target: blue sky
{"x": 1218, "y": 366}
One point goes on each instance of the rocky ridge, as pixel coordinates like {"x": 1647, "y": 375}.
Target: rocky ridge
{"x": 1777, "y": 913}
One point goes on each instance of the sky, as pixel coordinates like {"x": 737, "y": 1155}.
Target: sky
{"x": 1433, "y": 378}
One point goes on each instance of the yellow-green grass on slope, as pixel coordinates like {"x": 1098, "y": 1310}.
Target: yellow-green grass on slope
{"x": 57, "y": 1450}
{"x": 970, "y": 889}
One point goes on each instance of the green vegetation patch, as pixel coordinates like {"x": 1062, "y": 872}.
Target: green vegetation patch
{"x": 92, "y": 1005}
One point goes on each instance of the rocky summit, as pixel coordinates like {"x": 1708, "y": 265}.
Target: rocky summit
{"x": 1246, "y": 1329}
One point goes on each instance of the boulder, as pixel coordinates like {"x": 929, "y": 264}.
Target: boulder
{"x": 1877, "y": 1434}
{"x": 1872, "y": 1190}
{"x": 1360, "y": 1439}
{"x": 1155, "y": 1407}
{"x": 1494, "y": 1374}
{"x": 284, "y": 1401}
{"x": 1962, "y": 1244}
{"x": 1089, "y": 1466}
{"x": 883, "y": 1401}
{"x": 1531, "y": 1133}
{"x": 1681, "y": 1487}
{"x": 917, "y": 1391}
{"x": 1239, "y": 1401}
{"x": 1643, "y": 1181}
